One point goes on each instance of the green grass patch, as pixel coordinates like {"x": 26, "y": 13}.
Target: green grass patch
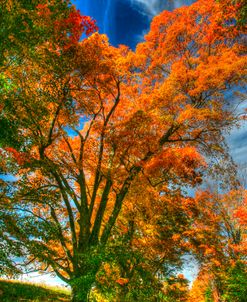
{"x": 14, "y": 291}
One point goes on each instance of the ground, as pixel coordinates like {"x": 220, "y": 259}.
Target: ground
{"x": 12, "y": 291}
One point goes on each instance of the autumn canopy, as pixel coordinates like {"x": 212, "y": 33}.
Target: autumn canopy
{"x": 106, "y": 144}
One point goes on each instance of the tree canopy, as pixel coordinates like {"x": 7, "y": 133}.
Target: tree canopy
{"x": 109, "y": 143}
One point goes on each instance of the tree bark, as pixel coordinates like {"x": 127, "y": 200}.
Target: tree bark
{"x": 80, "y": 293}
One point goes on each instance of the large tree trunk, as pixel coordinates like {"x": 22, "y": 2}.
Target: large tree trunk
{"x": 80, "y": 293}
{"x": 88, "y": 264}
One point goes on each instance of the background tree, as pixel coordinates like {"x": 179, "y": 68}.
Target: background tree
{"x": 219, "y": 243}
{"x": 234, "y": 10}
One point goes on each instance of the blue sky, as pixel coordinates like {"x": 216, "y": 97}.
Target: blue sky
{"x": 125, "y": 21}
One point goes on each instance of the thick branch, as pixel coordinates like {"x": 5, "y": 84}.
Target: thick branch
{"x": 61, "y": 237}
{"x": 68, "y": 207}
{"x": 118, "y": 204}
{"x": 101, "y": 211}
{"x": 101, "y": 150}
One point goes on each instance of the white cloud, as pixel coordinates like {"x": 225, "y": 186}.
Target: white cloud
{"x": 150, "y": 7}
{"x": 154, "y": 7}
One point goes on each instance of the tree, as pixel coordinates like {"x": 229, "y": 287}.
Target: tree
{"x": 31, "y": 32}
{"x": 104, "y": 126}
{"x": 202, "y": 289}
{"x": 219, "y": 244}
{"x": 236, "y": 283}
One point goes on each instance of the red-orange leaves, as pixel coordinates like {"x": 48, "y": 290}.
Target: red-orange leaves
{"x": 77, "y": 24}
{"x": 43, "y": 10}
{"x": 18, "y": 156}
{"x": 181, "y": 162}
{"x": 122, "y": 281}
{"x": 68, "y": 27}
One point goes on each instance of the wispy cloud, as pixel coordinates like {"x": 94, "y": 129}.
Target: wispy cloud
{"x": 149, "y": 7}
{"x": 154, "y": 7}
{"x": 107, "y": 11}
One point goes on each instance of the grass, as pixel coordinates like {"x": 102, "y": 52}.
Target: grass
{"x": 14, "y": 291}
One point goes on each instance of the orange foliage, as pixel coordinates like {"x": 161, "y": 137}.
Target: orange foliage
{"x": 113, "y": 137}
